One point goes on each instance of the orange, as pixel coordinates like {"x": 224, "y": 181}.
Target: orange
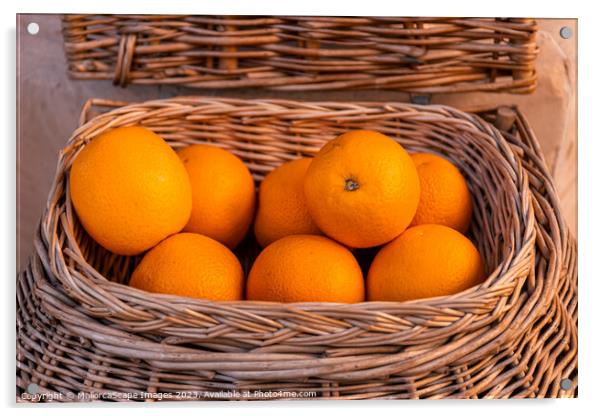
{"x": 130, "y": 190}
{"x": 425, "y": 261}
{"x": 305, "y": 268}
{"x": 444, "y": 195}
{"x": 282, "y": 210}
{"x": 362, "y": 189}
{"x": 191, "y": 265}
{"x": 223, "y": 193}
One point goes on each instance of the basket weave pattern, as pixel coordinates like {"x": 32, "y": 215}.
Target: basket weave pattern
{"x": 419, "y": 55}
{"x": 81, "y": 329}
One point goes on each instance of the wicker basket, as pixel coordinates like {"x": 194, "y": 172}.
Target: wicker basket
{"x": 425, "y": 55}
{"x": 80, "y": 330}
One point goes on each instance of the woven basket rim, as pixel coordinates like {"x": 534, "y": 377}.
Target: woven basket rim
{"x": 499, "y": 291}
{"x": 306, "y": 53}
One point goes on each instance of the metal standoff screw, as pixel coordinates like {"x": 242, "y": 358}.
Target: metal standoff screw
{"x": 33, "y": 388}
{"x": 33, "y": 28}
{"x": 566, "y": 32}
{"x": 566, "y": 384}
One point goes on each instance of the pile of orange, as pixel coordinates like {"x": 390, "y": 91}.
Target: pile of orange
{"x": 186, "y": 212}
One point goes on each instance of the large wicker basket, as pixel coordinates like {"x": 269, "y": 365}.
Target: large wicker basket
{"x": 82, "y": 332}
{"x": 423, "y": 55}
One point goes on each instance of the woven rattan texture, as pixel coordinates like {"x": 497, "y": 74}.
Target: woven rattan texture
{"x": 417, "y": 55}
{"x": 81, "y": 330}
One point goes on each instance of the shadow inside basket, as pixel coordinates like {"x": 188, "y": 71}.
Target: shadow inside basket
{"x": 264, "y": 140}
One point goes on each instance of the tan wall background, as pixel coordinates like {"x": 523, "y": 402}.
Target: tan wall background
{"x": 49, "y": 104}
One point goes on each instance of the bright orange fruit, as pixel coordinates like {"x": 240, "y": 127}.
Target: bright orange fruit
{"x": 305, "y": 268}
{"x": 444, "y": 194}
{"x": 362, "y": 189}
{"x": 282, "y": 209}
{"x": 425, "y": 261}
{"x": 130, "y": 190}
{"x": 192, "y": 265}
{"x": 223, "y": 193}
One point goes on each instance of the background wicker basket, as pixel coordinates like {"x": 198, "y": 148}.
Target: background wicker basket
{"x": 426, "y": 55}
{"x": 81, "y": 330}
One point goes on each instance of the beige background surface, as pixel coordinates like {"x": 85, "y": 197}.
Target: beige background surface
{"x": 49, "y": 104}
